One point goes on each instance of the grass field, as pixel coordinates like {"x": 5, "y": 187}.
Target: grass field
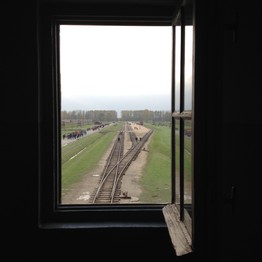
{"x": 156, "y": 181}
{"x": 83, "y": 155}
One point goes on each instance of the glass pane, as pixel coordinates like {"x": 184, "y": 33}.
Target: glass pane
{"x": 115, "y": 114}
{"x": 177, "y": 161}
{"x": 188, "y": 66}
{"x": 188, "y": 162}
{"x": 188, "y": 124}
{"x": 177, "y": 66}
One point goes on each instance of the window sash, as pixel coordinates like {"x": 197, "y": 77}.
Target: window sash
{"x": 179, "y": 113}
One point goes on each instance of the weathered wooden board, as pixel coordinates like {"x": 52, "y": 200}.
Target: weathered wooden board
{"x": 178, "y": 232}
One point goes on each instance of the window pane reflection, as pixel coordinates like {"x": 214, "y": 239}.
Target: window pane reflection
{"x": 177, "y": 68}
{"x": 188, "y": 66}
{"x": 177, "y": 160}
{"x": 187, "y": 162}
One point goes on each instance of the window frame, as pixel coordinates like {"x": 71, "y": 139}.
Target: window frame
{"x": 180, "y": 113}
{"x": 52, "y": 215}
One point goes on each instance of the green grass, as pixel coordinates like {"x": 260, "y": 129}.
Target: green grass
{"x": 156, "y": 180}
{"x": 187, "y": 165}
{"x": 89, "y": 151}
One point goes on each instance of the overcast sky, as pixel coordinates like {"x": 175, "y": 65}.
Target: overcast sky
{"x": 115, "y": 67}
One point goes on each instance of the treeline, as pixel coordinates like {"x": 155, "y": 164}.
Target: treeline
{"x": 90, "y": 115}
{"x": 111, "y": 115}
{"x": 146, "y": 115}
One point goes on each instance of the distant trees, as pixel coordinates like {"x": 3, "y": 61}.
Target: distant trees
{"x": 145, "y": 115}
{"x": 90, "y": 115}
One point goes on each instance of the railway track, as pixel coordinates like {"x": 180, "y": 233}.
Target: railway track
{"x": 109, "y": 187}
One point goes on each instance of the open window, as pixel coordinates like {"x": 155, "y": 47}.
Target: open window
{"x": 115, "y": 113}
{"x": 66, "y": 134}
{"x": 179, "y": 214}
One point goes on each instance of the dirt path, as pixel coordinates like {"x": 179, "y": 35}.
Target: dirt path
{"x": 80, "y": 192}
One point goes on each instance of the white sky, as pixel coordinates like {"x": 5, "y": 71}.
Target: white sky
{"x": 102, "y": 66}
{"x": 115, "y": 60}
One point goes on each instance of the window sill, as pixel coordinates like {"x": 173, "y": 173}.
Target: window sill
{"x": 179, "y": 234}
{"x": 94, "y": 225}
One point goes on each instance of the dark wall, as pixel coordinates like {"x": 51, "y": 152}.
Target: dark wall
{"x": 18, "y": 126}
{"x": 241, "y": 129}
{"x": 236, "y": 232}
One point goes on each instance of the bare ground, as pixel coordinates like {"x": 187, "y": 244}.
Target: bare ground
{"x": 79, "y": 193}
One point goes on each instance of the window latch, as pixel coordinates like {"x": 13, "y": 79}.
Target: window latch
{"x": 231, "y": 199}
